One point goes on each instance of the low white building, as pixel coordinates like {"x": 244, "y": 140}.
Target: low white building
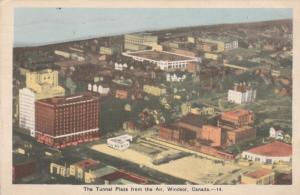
{"x": 276, "y": 133}
{"x": 241, "y": 93}
{"x": 64, "y": 54}
{"x": 120, "y": 143}
{"x": 98, "y": 88}
{"x": 173, "y": 77}
{"x": 231, "y": 45}
{"x": 269, "y": 153}
{"x": 27, "y": 110}
{"x": 120, "y": 66}
{"x": 78, "y": 57}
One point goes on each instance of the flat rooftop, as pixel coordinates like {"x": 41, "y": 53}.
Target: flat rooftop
{"x": 274, "y": 149}
{"x": 241, "y": 129}
{"x": 245, "y": 64}
{"x": 56, "y": 101}
{"x": 159, "y": 55}
{"x": 236, "y": 112}
{"x": 259, "y": 173}
{"x": 193, "y": 119}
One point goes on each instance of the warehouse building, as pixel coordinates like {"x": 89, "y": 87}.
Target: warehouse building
{"x": 270, "y": 153}
{"x": 166, "y": 61}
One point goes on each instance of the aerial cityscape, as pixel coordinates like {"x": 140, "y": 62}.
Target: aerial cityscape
{"x": 198, "y": 104}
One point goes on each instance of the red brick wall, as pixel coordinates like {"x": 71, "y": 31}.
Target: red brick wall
{"x": 241, "y": 136}
{"x": 211, "y": 133}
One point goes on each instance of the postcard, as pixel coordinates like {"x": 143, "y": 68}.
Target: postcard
{"x": 149, "y": 97}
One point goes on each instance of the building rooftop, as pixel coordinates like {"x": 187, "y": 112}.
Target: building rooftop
{"x": 40, "y": 67}
{"x": 245, "y": 64}
{"x": 19, "y": 159}
{"x": 259, "y": 173}
{"x": 64, "y": 160}
{"x": 142, "y": 34}
{"x": 56, "y": 101}
{"x": 240, "y": 129}
{"x": 159, "y": 55}
{"x": 242, "y": 87}
{"x": 103, "y": 170}
{"x": 219, "y": 38}
{"x": 124, "y": 175}
{"x": 274, "y": 149}
{"x": 236, "y": 113}
{"x": 87, "y": 163}
{"x": 193, "y": 119}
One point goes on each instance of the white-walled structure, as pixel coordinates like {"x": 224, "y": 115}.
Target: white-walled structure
{"x": 270, "y": 153}
{"x": 276, "y": 133}
{"x": 173, "y": 77}
{"x": 120, "y": 66}
{"x": 120, "y": 142}
{"x": 241, "y": 94}
{"x": 98, "y": 88}
{"x": 164, "y": 60}
{"x": 27, "y": 110}
{"x": 231, "y": 45}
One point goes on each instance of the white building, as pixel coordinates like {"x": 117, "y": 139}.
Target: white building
{"x": 120, "y": 66}
{"x": 27, "y": 110}
{"x": 120, "y": 142}
{"x": 64, "y": 54}
{"x": 231, "y": 45}
{"x": 276, "y": 133}
{"x": 270, "y": 153}
{"x": 78, "y": 57}
{"x": 99, "y": 88}
{"x": 173, "y": 77}
{"x": 166, "y": 61}
{"x": 241, "y": 94}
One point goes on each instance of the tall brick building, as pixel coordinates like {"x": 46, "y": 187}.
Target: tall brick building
{"x": 65, "y": 121}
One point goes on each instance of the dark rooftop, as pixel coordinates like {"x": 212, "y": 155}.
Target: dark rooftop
{"x": 193, "y": 119}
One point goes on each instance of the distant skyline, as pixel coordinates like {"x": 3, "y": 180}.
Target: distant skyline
{"x": 39, "y": 26}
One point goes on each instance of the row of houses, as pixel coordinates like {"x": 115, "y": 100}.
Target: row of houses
{"x": 90, "y": 171}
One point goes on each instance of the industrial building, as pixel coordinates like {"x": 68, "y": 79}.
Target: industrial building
{"x": 40, "y": 84}
{"x": 209, "y": 134}
{"x": 65, "y": 121}
{"x": 140, "y": 41}
{"x": 166, "y": 61}
{"x": 222, "y": 43}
